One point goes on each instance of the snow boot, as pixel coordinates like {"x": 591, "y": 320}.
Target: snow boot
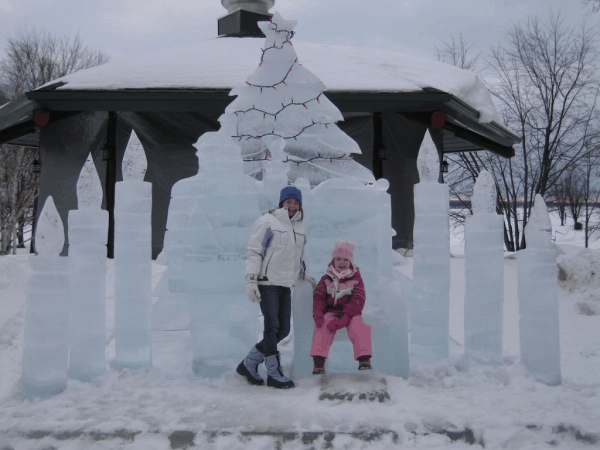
{"x": 319, "y": 367}
{"x": 249, "y": 367}
{"x": 364, "y": 363}
{"x": 275, "y": 376}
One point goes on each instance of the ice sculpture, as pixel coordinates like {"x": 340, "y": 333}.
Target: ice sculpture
{"x": 275, "y": 175}
{"x": 283, "y": 122}
{"x": 133, "y": 258}
{"x": 208, "y": 227}
{"x": 171, "y": 311}
{"x": 347, "y": 208}
{"x": 46, "y": 336}
{"x": 484, "y": 275}
{"x": 282, "y": 98}
{"x": 385, "y": 232}
{"x": 430, "y": 302}
{"x": 538, "y": 298}
{"x": 88, "y": 231}
{"x": 282, "y": 106}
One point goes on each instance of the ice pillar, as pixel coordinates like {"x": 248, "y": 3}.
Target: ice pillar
{"x": 390, "y": 343}
{"x": 302, "y": 300}
{"x": 538, "y": 298}
{"x": 484, "y": 272}
{"x": 385, "y": 231}
{"x": 45, "y": 345}
{"x": 388, "y": 296}
{"x": 88, "y": 231}
{"x": 208, "y": 228}
{"x": 133, "y": 258}
{"x": 430, "y": 309}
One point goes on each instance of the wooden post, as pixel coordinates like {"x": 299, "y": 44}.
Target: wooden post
{"x": 377, "y": 145}
{"x": 110, "y": 156}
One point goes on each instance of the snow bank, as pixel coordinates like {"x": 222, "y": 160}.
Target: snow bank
{"x": 579, "y": 273}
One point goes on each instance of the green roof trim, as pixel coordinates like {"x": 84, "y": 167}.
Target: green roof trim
{"x": 16, "y": 118}
{"x": 217, "y": 100}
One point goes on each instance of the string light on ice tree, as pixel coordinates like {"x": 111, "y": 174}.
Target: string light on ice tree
{"x": 292, "y": 107}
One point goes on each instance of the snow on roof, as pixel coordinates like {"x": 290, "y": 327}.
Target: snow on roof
{"x": 224, "y": 63}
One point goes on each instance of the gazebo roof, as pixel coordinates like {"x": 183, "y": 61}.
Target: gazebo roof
{"x": 199, "y": 76}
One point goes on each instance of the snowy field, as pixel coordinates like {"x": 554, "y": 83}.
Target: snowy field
{"x": 440, "y": 406}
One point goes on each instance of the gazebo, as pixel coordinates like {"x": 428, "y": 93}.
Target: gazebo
{"x": 170, "y": 98}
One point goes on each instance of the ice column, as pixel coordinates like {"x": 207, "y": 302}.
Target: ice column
{"x": 484, "y": 272}
{"x": 385, "y": 232}
{"x": 390, "y": 329}
{"x": 45, "y": 345}
{"x": 388, "y": 297}
{"x": 133, "y": 257}
{"x": 430, "y": 307}
{"x": 538, "y": 298}
{"x": 208, "y": 228}
{"x": 88, "y": 231}
{"x": 302, "y": 299}
{"x": 171, "y": 311}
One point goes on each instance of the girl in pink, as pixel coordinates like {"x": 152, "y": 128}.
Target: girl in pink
{"x": 338, "y": 301}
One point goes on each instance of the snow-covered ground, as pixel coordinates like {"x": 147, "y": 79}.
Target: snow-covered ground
{"x": 498, "y": 407}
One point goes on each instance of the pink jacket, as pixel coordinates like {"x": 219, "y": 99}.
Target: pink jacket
{"x": 346, "y": 296}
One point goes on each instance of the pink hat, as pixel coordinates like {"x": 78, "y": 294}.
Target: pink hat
{"x": 344, "y": 249}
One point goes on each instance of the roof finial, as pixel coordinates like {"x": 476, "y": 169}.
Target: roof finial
{"x": 256, "y": 6}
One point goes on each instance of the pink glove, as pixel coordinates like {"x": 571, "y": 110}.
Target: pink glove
{"x": 339, "y": 323}
{"x": 318, "y": 319}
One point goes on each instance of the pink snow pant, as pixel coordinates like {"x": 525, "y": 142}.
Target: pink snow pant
{"x": 359, "y": 333}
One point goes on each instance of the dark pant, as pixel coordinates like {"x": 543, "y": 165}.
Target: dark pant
{"x": 276, "y": 306}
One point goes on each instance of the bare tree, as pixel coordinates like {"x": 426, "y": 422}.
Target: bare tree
{"x": 465, "y": 167}
{"x": 595, "y": 4}
{"x": 33, "y": 58}
{"x": 576, "y": 194}
{"x": 3, "y": 98}
{"x": 459, "y": 52}
{"x": 557, "y": 199}
{"x": 589, "y": 175}
{"x": 18, "y": 189}
{"x": 545, "y": 81}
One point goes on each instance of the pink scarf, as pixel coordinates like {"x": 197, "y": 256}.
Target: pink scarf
{"x": 341, "y": 275}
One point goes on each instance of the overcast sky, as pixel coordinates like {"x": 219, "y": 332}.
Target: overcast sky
{"x": 125, "y": 28}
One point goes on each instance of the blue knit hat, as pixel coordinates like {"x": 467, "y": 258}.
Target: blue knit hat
{"x": 290, "y": 192}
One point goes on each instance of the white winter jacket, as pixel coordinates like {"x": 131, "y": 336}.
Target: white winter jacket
{"x": 276, "y": 249}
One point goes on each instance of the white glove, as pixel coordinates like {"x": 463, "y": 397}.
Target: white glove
{"x": 252, "y": 289}
{"x": 310, "y": 279}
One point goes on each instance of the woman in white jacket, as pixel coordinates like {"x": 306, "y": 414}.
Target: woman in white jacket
{"x": 274, "y": 262}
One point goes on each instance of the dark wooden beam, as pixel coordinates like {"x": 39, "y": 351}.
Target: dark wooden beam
{"x": 24, "y": 130}
{"x": 111, "y": 180}
{"x": 17, "y": 131}
{"x": 461, "y": 116}
{"x": 217, "y": 100}
{"x": 377, "y": 145}
{"x": 478, "y": 140}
